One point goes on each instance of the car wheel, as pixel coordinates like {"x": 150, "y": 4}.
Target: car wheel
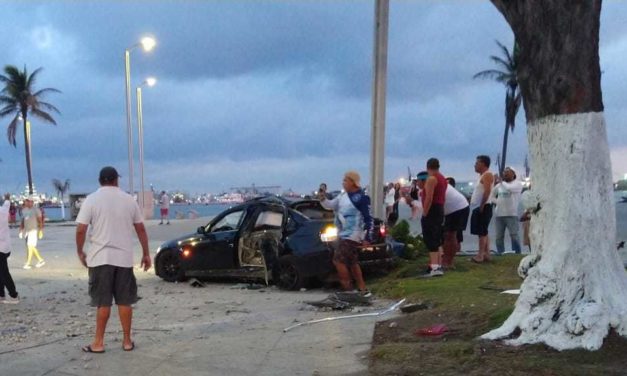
{"x": 169, "y": 266}
{"x": 289, "y": 274}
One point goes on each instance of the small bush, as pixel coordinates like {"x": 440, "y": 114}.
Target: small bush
{"x": 400, "y": 231}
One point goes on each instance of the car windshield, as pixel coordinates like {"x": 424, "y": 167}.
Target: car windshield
{"x": 229, "y": 222}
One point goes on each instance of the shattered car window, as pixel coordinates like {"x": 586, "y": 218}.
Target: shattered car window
{"x": 269, "y": 219}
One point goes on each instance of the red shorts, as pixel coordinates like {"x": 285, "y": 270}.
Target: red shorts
{"x": 164, "y": 212}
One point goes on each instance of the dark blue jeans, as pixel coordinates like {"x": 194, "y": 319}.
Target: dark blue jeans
{"x": 5, "y": 277}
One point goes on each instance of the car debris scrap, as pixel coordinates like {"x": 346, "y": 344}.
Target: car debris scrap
{"x": 391, "y": 308}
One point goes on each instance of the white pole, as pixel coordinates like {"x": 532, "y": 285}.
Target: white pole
{"x": 129, "y": 128}
{"x": 377, "y": 146}
{"x": 140, "y": 135}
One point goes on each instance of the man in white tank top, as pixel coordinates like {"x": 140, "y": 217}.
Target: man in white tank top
{"x": 481, "y": 208}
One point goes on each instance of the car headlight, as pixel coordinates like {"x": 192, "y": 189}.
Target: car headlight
{"x": 329, "y": 234}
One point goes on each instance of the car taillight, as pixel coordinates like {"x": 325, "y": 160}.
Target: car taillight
{"x": 382, "y": 230}
{"x": 187, "y": 252}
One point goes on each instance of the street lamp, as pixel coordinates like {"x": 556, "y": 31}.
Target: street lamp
{"x": 147, "y": 44}
{"x": 150, "y": 81}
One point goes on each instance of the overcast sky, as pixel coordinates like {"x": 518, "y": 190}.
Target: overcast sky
{"x": 271, "y": 92}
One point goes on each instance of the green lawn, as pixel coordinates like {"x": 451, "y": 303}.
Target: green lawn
{"x": 469, "y": 302}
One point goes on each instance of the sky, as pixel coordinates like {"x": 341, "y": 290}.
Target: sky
{"x": 271, "y": 92}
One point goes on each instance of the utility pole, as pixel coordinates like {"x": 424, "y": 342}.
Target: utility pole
{"x": 377, "y": 136}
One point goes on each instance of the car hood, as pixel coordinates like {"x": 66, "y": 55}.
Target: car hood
{"x": 181, "y": 241}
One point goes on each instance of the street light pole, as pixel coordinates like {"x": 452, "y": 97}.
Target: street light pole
{"x": 377, "y": 135}
{"x": 140, "y": 134}
{"x": 129, "y": 128}
{"x": 147, "y": 44}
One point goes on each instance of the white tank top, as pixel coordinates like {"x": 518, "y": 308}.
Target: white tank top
{"x": 477, "y": 193}
{"x": 454, "y": 201}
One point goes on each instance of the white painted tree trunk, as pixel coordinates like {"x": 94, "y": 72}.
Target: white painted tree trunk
{"x": 575, "y": 286}
{"x": 62, "y": 209}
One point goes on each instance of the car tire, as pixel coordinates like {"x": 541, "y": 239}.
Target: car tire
{"x": 288, "y": 274}
{"x": 168, "y": 266}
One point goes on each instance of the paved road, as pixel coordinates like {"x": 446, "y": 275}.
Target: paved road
{"x": 216, "y": 330}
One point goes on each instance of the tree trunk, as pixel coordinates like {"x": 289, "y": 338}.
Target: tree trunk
{"x": 62, "y": 207}
{"x": 504, "y": 151}
{"x": 575, "y": 287}
{"x": 28, "y": 156}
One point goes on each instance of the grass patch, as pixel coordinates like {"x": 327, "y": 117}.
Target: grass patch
{"x": 469, "y": 302}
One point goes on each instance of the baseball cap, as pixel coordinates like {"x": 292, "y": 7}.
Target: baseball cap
{"x": 423, "y": 175}
{"x": 108, "y": 174}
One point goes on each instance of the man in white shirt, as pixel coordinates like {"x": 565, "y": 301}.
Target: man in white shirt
{"x": 112, "y": 215}
{"x": 6, "y": 281}
{"x": 507, "y": 195}
{"x": 164, "y": 201}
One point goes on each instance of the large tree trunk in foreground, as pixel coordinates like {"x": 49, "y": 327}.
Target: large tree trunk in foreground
{"x": 575, "y": 289}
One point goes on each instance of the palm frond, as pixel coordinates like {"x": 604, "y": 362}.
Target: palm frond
{"x": 492, "y": 74}
{"x": 48, "y": 107}
{"x": 30, "y": 82}
{"x": 503, "y": 63}
{"x": 5, "y": 99}
{"x": 505, "y": 51}
{"x": 43, "y": 115}
{"x": 12, "y": 130}
{"x": 7, "y": 110}
{"x": 41, "y": 92}
{"x": 61, "y": 187}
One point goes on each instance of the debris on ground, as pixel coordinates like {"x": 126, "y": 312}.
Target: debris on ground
{"x": 433, "y": 330}
{"x": 392, "y": 308}
{"x": 342, "y": 300}
{"x": 196, "y": 283}
{"x": 413, "y": 307}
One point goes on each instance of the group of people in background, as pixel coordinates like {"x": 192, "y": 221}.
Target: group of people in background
{"x": 445, "y": 211}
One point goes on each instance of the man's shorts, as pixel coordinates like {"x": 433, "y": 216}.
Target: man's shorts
{"x": 107, "y": 282}
{"x": 164, "y": 212}
{"x": 347, "y": 252}
{"x": 457, "y": 221}
{"x": 31, "y": 238}
{"x": 432, "y": 227}
{"x": 480, "y": 221}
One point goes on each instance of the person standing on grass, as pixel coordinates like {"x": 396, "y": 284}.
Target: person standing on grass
{"x": 113, "y": 216}
{"x": 32, "y": 229}
{"x": 507, "y": 194}
{"x": 433, "y": 197}
{"x": 481, "y": 208}
{"x": 6, "y": 281}
{"x": 164, "y": 201}
{"x": 355, "y": 226}
{"x": 456, "y": 212}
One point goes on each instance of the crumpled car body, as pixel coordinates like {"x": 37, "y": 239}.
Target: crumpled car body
{"x": 268, "y": 239}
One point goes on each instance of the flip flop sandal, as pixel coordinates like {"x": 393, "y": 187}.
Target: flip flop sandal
{"x": 130, "y": 348}
{"x": 88, "y": 349}
{"x": 472, "y": 259}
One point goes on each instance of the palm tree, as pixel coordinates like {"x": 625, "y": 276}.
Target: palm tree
{"x": 507, "y": 75}
{"x": 20, "y": 99}
{"x": 61, "y": 189}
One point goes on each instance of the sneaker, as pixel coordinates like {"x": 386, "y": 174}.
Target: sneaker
{"x": 40, "y": 264}
{"x": 366, "y": 293}
{"x": 168, "y": 223}
{"x": 10, "y": 300}
{"x": 27, "y": 266}
{"x": 436, "y": 272}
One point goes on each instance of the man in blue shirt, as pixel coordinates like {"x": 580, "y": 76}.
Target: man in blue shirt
{"x": 355, "y": 227}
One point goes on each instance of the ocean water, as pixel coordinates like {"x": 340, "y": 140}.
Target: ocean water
{"x": 181, "y": 210}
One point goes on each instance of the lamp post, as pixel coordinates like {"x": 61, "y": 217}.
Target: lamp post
{"x": 147, "y": 44}
{"x": 150, "y": 81}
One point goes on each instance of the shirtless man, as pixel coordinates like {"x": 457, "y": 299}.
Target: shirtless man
{"x": 481, "y": 208}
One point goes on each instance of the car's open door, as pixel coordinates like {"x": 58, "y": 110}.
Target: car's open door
{"x": 259, "y": 243}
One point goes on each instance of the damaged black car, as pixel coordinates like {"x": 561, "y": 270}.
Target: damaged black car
{"x": 268, "y": 239}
